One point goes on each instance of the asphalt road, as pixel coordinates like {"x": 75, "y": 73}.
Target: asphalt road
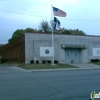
{"x": 18, "y": 84}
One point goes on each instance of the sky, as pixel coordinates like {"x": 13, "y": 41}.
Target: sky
{"x": 21, "y": 14}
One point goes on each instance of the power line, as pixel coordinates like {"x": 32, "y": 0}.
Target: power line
{"x": 23, "y": 13}
{"x": 46, "y": 16}
{"x": 82, "y": 20}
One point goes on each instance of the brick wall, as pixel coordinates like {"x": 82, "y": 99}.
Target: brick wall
{"x": 14, "y": 51}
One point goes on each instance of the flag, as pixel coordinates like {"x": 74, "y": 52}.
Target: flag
{"x": 56, "y": 24}
{"x": 58, "y": 12}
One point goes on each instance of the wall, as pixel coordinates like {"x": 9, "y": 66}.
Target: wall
{"x": 34, "y": 40}
{"x": 14, "y": 51}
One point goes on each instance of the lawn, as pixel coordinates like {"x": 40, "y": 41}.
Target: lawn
{"x": 97, "y": 63}
{"x": 40, "y": 66}
{"x": 45, "y": 66}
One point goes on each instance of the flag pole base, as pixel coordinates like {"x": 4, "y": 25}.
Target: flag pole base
{"x": 53, "y": 64}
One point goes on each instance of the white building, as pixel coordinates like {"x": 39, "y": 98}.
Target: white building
{"x": 67, "y": 48}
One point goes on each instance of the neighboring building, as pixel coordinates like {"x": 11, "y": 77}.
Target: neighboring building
{"x": 67, "y": 48}
{"x": 14, "y": 51}
{"x": 1, "y": 51}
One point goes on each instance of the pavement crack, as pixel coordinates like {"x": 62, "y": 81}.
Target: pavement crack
{"x": 58, "y": 91}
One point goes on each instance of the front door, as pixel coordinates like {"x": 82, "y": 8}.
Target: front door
{"x": 72, "y": 55}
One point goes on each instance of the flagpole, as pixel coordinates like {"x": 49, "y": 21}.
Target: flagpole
{"x": 52, "y": 35}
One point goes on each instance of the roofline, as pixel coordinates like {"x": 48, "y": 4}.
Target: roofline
{"x": 64, "y": 34}
{"x": 49, "y": 34}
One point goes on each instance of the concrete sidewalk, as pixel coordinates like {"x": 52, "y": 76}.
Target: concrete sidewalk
{"x": 80, "y": 67}
{"x": 87, "y": 66}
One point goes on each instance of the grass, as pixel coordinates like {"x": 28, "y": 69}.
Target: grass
{"x": 45, "y": 66}
{"x": 40, "y": 66}
{"x": 97, "y": 63}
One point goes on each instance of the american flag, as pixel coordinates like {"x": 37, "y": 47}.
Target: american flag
{"x": 58, "y": 12}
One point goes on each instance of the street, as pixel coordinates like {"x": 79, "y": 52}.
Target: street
{"x": 19, "y": 84}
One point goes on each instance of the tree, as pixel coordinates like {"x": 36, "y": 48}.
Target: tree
{"x": 44, "y": 27}
{"x": 77, "y": 32}
{"x": 16, "y": 34}
{"x": 74, "y": 32}
{"x": 65, "y": 31}
{"x": 30, "y": 30}
{"x": 19, "y": 32}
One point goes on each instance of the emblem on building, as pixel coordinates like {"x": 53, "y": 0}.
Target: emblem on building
{"x": 47, "y": 51}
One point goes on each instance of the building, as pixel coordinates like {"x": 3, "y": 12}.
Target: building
{"x": 67, "y": 48}
{"x": 1, "y": 51}
{"x": 14, "y": 51}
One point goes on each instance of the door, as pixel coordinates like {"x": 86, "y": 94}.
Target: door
{"x": 72, "y": 55}
{"x": 76, "y": 56}
{"x": 68, "y": 56}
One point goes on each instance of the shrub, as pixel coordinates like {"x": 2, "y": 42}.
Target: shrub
{"x": 32, "y": 61}
{"x": 43, "y": 61}
{"x": 48, "y": 61}
{"x": 55, "y": 61}
{"x": 4, "y": 60}
{"x": 94, "y": 60}
{"x": 37, "y": 61}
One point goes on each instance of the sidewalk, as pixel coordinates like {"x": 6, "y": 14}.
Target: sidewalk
{"x": 87, "y": 66}
{"x": 80, "y": 67}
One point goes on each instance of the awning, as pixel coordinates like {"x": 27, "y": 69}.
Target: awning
{"x": 79, "y": 46}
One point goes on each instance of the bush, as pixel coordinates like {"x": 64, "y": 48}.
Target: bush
{"x": 37, "y": 61}
{"x": 3, "y": 60}
{"x": 32, "y": 61}
{"x": 55, "y": 61}
{"x": 94, "y": 60}
{"x": 48, "y": 61}
{"x": 43, "y": 61}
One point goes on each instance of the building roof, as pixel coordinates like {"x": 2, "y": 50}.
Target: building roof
{"x": 64, "y": 34}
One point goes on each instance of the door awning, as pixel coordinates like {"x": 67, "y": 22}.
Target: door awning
{"x": 79, "y": 46}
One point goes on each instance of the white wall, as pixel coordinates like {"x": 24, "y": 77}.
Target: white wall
{"x": 31, "y": 46}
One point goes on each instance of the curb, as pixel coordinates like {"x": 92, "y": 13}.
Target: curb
{"x": 49, "y": 70}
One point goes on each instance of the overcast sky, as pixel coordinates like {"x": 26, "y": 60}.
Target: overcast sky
{"x": 81, "y": 14}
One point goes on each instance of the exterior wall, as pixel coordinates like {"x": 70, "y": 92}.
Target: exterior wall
{"x": 94, "y": 44}
{"x": 1, "y": 52}
{"x": 84, "y": 56}
{"x": 1, "y": 49}
{"x": 33, "y": 42}
{"x": 37, "y": 45}
{"x": 14, "y": 51}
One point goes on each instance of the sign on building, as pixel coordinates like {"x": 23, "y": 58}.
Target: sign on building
{"x": 46, "y": 51}
{"x": 96, "y": 51}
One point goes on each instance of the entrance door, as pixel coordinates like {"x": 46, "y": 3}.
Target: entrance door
{"x": 72, "y": 55}
{"x": 76, "y": 56}
{"x": 68, "y": 56}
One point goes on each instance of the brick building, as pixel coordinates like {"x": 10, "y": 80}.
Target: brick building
{"x": 1, "y": 51}
{"x": 14, "y": 51}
